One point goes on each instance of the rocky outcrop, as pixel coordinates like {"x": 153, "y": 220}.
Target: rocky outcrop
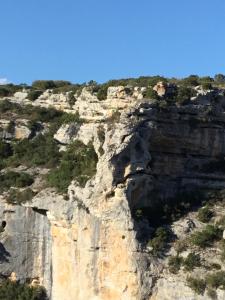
{"x": 25, "y": 245}
{"x": 17, "y": 129}
{"x": 90, "y": 245}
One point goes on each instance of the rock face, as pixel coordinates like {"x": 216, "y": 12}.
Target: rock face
{"x": 17, "y": 129}
{"x": 164, "y": 89}
{"x": 91, "y": 246}
{"x": 25, "y": 246}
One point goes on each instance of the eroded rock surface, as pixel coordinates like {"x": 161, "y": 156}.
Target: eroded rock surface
{"x": 91, "y": 246}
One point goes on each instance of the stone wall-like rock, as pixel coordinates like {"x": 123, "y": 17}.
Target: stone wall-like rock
{"x": 25, "y": 245}
{"x": 90, "y": 246}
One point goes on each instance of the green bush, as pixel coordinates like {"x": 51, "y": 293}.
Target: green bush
{"x": 7, "y": 90}
{"x": 207, "y": 86}
{"x": 151, "y": 94}
{"x": 184, "y": 95}
{"x": 215, "y": 266}
{"x": 192, "y": 80}
{"x": 76, "y": 89}
{"x": 192, "y": 261}
{"x": 197, "y": 285}
{"x": 101, "y": 137}
{"x": 175, "y": 263}
{"x": 207, "y": 236}
{"x": 173, "y": 208}
{"x": 5, "y": 152}
{"x": 219, "y": 78}
{"x": 18, "y": 197}
{"x": 6, "y": 105}
{"x": 4, "y": 92}
{"x": 162, "y": 104}
{"x": 159, "y": 241}
{"x": 16, "y": 291}
{"x": 43, "y": 84}
{"x": 216, "y": 280}
{"x": 30, "y": 112}
{"x": 71, "y": 99}
{"x": 180, "y": 246}
{"x": 50, "y": 84}
{"x": 14, "y": 179}
{"x": 78, "y": 162}
{"x": 205, "y": 214}
{"x": 102, "y": 92}
{"x": 34, "y": 94}
{"x": 212, "y": 294}
{"x": 40, "y": 151}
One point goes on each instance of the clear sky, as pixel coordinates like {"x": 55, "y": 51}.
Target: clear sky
{"x": 80, "y": 40}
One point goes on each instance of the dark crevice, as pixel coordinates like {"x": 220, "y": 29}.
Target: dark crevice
{"x": 40, "y": 211}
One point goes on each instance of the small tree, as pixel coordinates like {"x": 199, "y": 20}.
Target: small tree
{"x": 220, "y": 78}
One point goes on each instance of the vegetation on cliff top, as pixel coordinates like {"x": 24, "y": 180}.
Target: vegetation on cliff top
{"x": 62, "y": 86}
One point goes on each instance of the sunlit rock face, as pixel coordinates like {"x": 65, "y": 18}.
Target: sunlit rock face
{"x": 90, "y": 246}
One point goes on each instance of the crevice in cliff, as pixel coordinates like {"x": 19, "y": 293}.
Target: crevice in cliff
{"x": 40, "y": 211}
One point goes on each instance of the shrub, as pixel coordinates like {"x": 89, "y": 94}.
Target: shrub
{"x": 197, "y": 285}
{"x": 3, "y": 92}
{"x": 192, "y": 80}
{"x": 151, "y": 94}
{"x": 102, "y": 92}
{"x": 78, "y": 162}
{"x": 17, "y": 291}
{"x": 215, "y": 266}
{"x": 163, "y": 104}
{"x": 216, "y": 280}
{"x": 14, "y": 179}
{"x": 7, "y": 90}
{"x": 175, "y": 263}
{"x": 173, "y": 208}
{"x": 212, "y": 294}
{"x": 219, "y": 78}
{"x": 41, "y": 151}
{"x": 192, "y": 261}
{"x": 71, "y": 99}
{"x": 67, "y": 118}
{"x": 205, "y": 214}
{"x": 207, "y": 86}
{"x": 34, "y": 94}
{"x": 76, "y": 89}
{"x": 207, "y": 236}
{"x": 5, "y": 106}
{"x": 159, "y": 242}
{"x": 184, "y": 95}
{"x": 43, "y": 84}
{"x": 101, "y": 137}
{"x": 180, "y": 246}
{"x": 18, "y": 197}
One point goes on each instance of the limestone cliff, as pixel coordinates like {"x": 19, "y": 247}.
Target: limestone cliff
{"x": 91, "y": 246}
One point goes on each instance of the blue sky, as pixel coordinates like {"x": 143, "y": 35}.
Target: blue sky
{"x": 80, "y": 40}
